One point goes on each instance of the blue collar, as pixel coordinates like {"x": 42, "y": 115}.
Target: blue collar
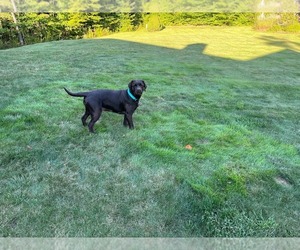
{"x": 131, "y": 95}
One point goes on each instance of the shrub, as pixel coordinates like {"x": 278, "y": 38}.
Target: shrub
{"x": 96, "y": 32}
{"x": 277, "y": 22}
{"x": 153, "y": 22}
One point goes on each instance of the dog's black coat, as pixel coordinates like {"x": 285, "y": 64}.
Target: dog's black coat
{"x": 118, "y": 101}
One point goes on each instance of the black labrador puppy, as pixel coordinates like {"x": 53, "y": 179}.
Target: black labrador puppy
{"x": 118, "y": 101}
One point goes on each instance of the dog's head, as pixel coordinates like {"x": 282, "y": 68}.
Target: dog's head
{"x": 137, "y": 87}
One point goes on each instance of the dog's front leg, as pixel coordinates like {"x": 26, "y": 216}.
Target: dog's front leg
{"x": 125, "y": 121}
{"x": 128, "y": 120}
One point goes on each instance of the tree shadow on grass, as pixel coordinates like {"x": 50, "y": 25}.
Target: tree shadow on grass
{"x": 282, "y": 43}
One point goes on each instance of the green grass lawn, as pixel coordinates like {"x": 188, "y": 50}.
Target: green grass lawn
{"x": 231, "y": 94}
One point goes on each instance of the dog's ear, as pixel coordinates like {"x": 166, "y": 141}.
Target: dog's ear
{"x": 145, "y": 86}
{"x": 130, "y": 84}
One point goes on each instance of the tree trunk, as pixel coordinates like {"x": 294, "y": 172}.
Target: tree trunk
{"x": 20, "y": 36}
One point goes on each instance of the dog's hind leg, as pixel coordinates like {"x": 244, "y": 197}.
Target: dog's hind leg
{"x": 86, "y": 115}
{"x": 95, "y": 117}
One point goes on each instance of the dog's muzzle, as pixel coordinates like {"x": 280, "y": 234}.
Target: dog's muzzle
{"x": 138, "y": 91}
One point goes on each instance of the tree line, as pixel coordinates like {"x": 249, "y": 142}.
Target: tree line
{"x": 41, "y": 27}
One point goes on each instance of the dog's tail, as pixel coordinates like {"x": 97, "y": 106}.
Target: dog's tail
{"x": 79, "y": 94}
